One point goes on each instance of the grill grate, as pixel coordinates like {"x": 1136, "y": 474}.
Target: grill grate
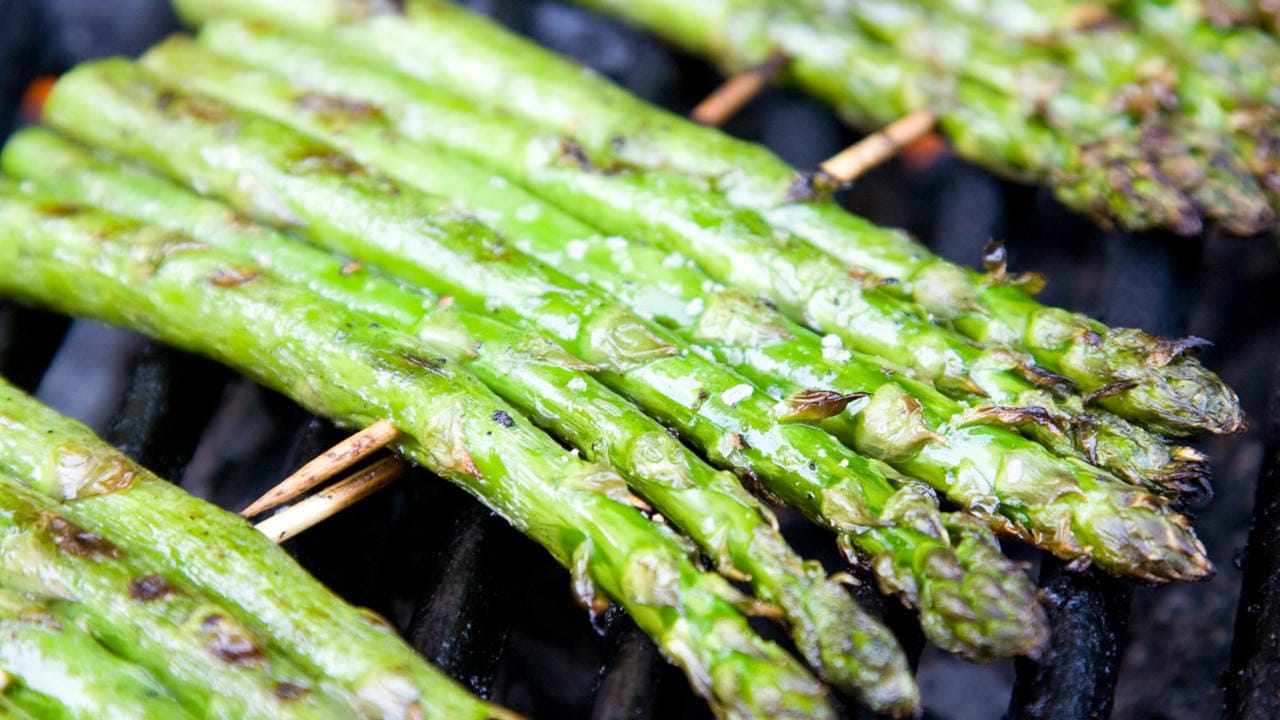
{"x": 494, "y": 611}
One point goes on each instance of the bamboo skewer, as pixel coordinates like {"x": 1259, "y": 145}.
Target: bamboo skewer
{"x": 325, "y": 466}
{"x": 737, "y": 91}
{"x": 332, "y": 500}
{"x": 855, "y": 160}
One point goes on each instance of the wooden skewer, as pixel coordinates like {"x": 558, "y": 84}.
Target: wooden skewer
{"x": 326, "y": 465}
{"x": 333, "y": 499}
{"x": 857, "y": 159}
{"x": 737, "y": 91}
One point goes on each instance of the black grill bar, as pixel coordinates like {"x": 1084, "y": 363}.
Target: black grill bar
{"x": 28, "y": 341}
{"x": 167, "y": 404}
{"x": 1254, "y": 677}
{"x": 628, "y": 684}
{"x": 1077, "y": 676}
{"x": 461, "y": 625}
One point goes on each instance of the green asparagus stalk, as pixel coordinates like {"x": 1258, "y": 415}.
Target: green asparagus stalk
{"x": 211, "y": 663}
{"x": 307, "y": 64}
{"x": 1104, "y": 86}
{"x": 850, "y": 649}
{"x": 430, "y": 241}
{"x": 63, "y": 663}
{"x": 822, "y": 54}
{"x": 1139, "y": 557}
{"x": 223, "y": 557}
{"x": 343, "y": 366}
{"x": 23, "y": 704}
{"x": 761, "y": 345}
{"x": 1197, "y": 109}
{"x": 1139, "y": 456}
{"x": 470, "y": 57}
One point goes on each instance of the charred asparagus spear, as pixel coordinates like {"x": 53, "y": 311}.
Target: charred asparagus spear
{"x": 470, "y": 57}
{"x": 464, "y": 267}
{"x": 773, "y": 353}
{"x": 739, "y": 33}
{"x": 427, "y": 240}
{"x": 1125, "y": 370}
{"x": 342, "y": 365}
{"x": 53, "y": 660}
{"x": 220, "y": 556}
{"x": 850, "y": 649}
{"x": 1104, "y": 86}
{"x": 1122, "y": 446}
{"x": 1136, "y": 455}
{"x": 1201, "y": 111}
{"x": 211, "y": 663}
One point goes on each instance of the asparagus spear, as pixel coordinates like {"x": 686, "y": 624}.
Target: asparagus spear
{"x": 59, "y": 660}
{"x": 341, "y": 365}
{"x": 18, "y": 705}
{"x": 429, "y": 241}
{"x": 52, "y": 657}
{"x": 850, "y": 649}
{"x": 1142, "y": 555}
{"x": 1195, "y": 109}
{"x": 823, "y": 53}
{"x": 318, "y": 69}
{"x": 221, "y": 556}
{"x": 205, "y": 658}
{"x": 1095, "y": 87}
{"x": 792, "y": 360}
{"x": 1138, "y": 456}
{"x": 472, "y": 58}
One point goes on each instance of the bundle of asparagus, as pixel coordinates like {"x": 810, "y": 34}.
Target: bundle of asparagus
{"x": 626, "y": 281}
{"x": 123, "y": 596}
{"x": 1141, "y": 114}
{"x": 341, "y": 364}
{"x": 1125, "y": 370}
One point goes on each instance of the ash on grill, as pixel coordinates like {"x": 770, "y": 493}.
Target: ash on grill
{"x": 447, "y": 572}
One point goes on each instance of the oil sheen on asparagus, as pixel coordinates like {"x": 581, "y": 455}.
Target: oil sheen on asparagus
{"x": 850, "y": 649}
{"x": 340, "y": 364}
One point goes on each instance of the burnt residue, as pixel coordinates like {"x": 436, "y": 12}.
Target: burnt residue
{"x": 703, "y": 396}
{"x": 1109, "y": 391}
{"x": 1041, "y": 377}
{"x": 995, "y": 260}
{"x": 150, "y": 587}
{"x": 816, "y": 186}
{"x": 234, "y": 276}
{"x": 287, "y": 691}
{"x": 572, "y": 151}
{"x": 1018, "y": 416}
{"x": 1168, "y": 350}
{"x": 208, "y": 110}
{"x": 502, "y": 418}
{"x": 813, "y": 405}
{"x": 428, "y": 363}
{"x": 59, "y": 209}
{"x": 320, "y": 160}
{"x": 75, "y": 540}
{"x": 228, "y": 642}
{"x": 337, "y": 109}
